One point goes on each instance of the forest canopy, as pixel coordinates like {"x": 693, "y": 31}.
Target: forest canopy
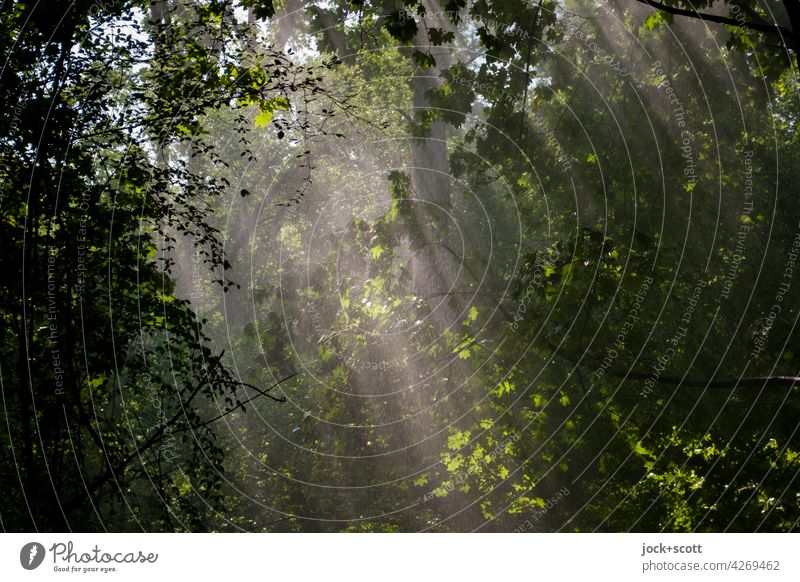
{"x": 400, "y": 265}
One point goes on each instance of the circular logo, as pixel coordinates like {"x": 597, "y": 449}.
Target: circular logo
{"x": 31, "y": 555}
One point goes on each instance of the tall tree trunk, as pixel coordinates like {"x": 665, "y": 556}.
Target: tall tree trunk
{"x": 334, "y": 35}
{"x": 435, "y": 266}
{"x": 430, "y": 164}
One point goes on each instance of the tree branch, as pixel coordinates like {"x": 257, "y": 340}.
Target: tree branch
{"x": 241, "y": 404}
{"x": 752, "y": 382}
{"x": 758, "y": 26}
{"x": 112, "y": 471}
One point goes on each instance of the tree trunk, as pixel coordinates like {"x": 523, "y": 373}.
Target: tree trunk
{"x": 434, "y": 267}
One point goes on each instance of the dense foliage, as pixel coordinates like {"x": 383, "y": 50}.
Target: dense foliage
{"x": 514, "y": 265}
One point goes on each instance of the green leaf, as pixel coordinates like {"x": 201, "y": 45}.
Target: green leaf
{"x": 262, "y": 9}
{"x": 401, "y": 26}
{"x": 263, "y": 119}
{"x": 376, "y": 251}
{"x": 657, "y": 19}
{"x": 424, "y": 60}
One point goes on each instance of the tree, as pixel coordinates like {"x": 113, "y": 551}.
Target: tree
{"x": 111, "y": 386}
{"x": 513, "y": 266}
